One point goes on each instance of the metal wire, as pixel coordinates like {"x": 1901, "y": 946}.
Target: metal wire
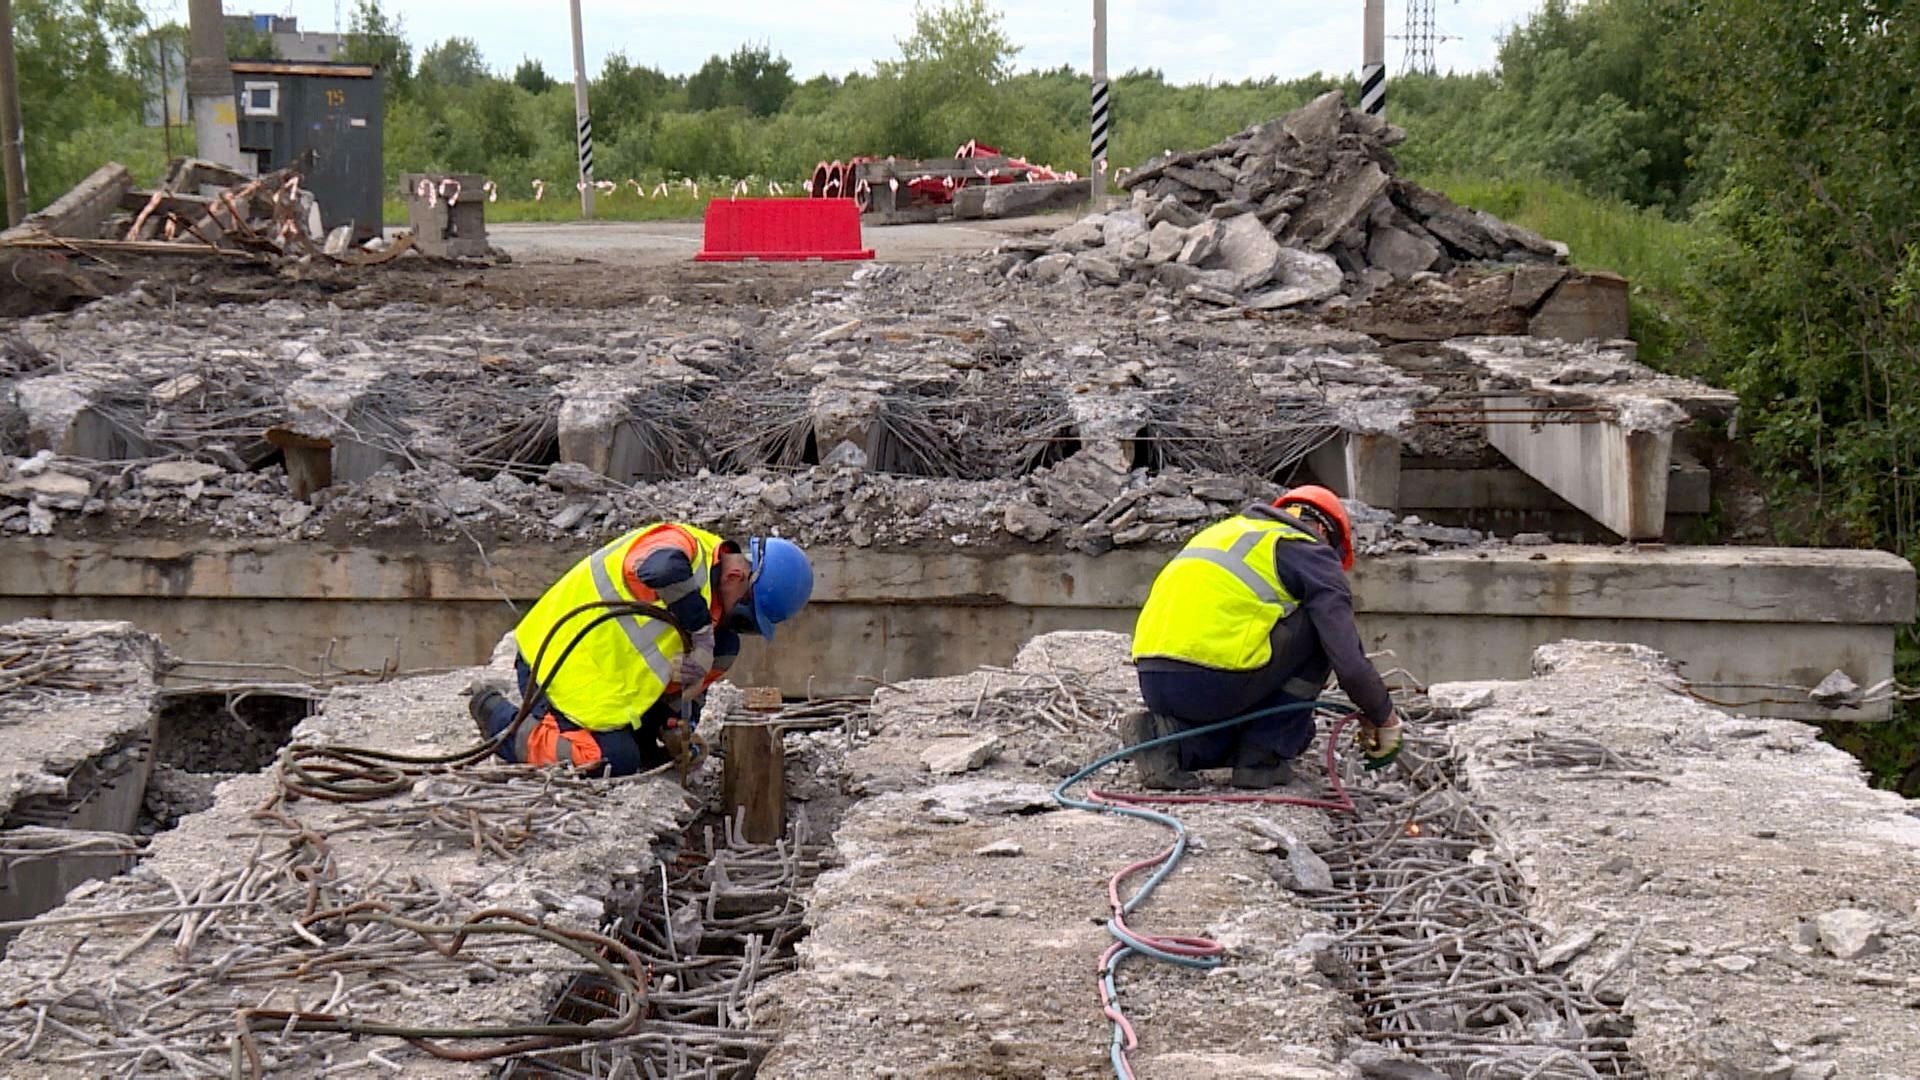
{"x": 1446, "y": 963}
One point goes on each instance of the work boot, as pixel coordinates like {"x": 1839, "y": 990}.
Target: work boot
{"x": 1159, "y": 768}
{"x": 486, "y": 704}
{"x": 1258, "y": 770}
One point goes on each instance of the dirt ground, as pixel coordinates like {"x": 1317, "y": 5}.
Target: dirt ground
{"x": 62, "y": 282}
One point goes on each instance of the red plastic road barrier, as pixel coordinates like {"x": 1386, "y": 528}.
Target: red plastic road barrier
{"x": 782, "y": 230}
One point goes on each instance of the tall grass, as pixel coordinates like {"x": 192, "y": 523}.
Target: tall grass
{"x": 1645, "y": 246}
{"x": 1652, "y": 251}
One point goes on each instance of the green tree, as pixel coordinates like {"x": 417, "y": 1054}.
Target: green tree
{"x": 1809, "y": 301}
{"x": 250, "y": 43}
{"x": 947, "y": 85}
{"x": 626, "y": 98}
{"x": 453, "y": 62}
{"x": 532, "y": 77}
{"x": 761, "y": 82}
{"x": 374, "y": 38}
{"x": 64, "y": 53}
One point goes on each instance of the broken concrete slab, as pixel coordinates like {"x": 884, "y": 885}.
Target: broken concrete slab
{"x": 1083, "y": 235}
{"x": 1849, "y": 933}
{"x": 1532, "y": 283}
{"x": 1330, "y": 213}
{"x": 1098, "y": 269}
{"x": 1122, "y": 227}
{"x": 573, "y": 886}
{"x": 1634, "y": 849}
{"x": 1306, "y": 278}
{"x": 1165, "y": 243}
{"x": 1203, "y": 244}
{"x": 1034, "y": 197}
{"x": 899, "y": 987}
{"x": 1171, "y": 211}
{"x": 179, "y": 473}
{"x": 1249, "y": 252}
{"x": 1401, "y": 253}
{"x": 89, "y": 692}
{"x": 951, "y": 757}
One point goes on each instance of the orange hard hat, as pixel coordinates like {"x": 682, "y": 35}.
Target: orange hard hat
{"x": 1326, "y": 505}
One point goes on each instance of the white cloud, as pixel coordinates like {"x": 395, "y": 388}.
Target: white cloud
{"x": 1192, "y": 41}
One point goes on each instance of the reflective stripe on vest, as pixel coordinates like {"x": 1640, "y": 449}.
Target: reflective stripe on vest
{"x": 610, "y": 679}
{"x": 1216, "y": 603}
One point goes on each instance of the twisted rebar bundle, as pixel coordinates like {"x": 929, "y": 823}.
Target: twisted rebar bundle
{"x": 1446, "y": 964}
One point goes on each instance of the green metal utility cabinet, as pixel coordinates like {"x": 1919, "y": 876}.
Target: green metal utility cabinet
{"x": 331, "y": 112}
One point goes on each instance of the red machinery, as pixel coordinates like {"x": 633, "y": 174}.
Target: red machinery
{"x": 923, "y": 183}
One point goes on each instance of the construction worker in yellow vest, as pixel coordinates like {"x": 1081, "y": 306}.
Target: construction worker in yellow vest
{"x": 1251, "y": 615}
{"x": 629, "y": 679}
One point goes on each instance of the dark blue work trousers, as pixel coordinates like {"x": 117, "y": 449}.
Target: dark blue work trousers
{"x": 620, "y": 750}
{"x": 1195, "y": 696}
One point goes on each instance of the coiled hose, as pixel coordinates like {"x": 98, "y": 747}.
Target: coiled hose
{"x": 1191, "y": 952}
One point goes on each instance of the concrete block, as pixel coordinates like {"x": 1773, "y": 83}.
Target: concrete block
{"x": 1360, "y": 466}
{"x": 452, "y": 224}
{"x": 61, "y": 417}
{"x": 1585, "y": 307}
{"x": 333, "y": 406}
{"x": 1614, "y": 475}
{"x": 1017, "y": 200}
{"x": 1165, "y": 242}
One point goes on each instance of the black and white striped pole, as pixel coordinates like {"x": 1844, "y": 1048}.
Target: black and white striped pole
{"x": 582, "y": 118}
{"x": 1098, "y": 161}
{"x": 1373, "y": 67}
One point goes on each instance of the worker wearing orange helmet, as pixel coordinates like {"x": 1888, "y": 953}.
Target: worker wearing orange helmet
{"x": 1254, "y": 613}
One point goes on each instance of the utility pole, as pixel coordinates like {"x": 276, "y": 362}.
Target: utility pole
{"x": 1373, "y": 61}
{"x": 12, "y": 148}
{"x": 1098, "y": 172}
{"x": 210, "y": 87}
{"x": 582, "y": 116}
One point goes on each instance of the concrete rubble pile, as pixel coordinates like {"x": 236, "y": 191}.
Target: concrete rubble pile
{"x": 906, "y": 405}
{"x": 199, "y": 208}
{"x": 1296, "y": 212}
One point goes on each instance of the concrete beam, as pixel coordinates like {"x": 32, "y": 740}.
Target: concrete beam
{"x": 1746, "y": 615}
{"x": 1689, "y": 490}
{"x": 1360, "y": 466}
{"x": 82, "y": 210}
{"x": 1615, "y": 475}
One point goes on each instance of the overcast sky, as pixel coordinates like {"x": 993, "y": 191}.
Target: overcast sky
{"x": 1190, "y": 40}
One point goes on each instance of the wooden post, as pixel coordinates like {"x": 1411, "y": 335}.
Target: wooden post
{"x": 755, "y": 777}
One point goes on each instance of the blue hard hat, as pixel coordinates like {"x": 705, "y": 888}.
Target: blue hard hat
{"x": 782, "y": 581}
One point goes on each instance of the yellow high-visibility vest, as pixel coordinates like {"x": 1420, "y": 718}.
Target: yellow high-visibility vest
{"x": 1215, "y": 604}
{"x": 622, "y": 666}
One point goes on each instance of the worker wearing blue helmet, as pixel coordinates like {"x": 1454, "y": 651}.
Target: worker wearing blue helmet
{"x": 617, "y": 686}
